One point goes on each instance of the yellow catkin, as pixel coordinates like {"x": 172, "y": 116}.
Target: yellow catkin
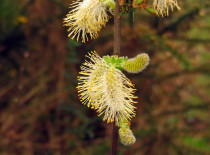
{"x": 137, "y": 64}
{"x": 162, "y": 7}
{"x": 86, "y": 18}
{"x": 106, "y": 89}
{"x": 126, "y": 136}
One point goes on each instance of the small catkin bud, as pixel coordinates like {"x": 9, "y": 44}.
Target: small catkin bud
{"x": 137, "y": 64}
{"x": 126, "y": 136}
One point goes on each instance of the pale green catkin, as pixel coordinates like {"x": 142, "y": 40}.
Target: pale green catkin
{"x": 136, "y": 64}
{"x": 126, "y": 136}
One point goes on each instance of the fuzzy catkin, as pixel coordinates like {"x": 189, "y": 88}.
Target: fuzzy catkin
{"x": 106, "y": 89}
{"x": 126, "y": 136}
{"x": 136, "y": 64}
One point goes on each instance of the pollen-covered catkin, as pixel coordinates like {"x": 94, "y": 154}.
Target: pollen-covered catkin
{"x": 87, "y": 17}
{"x": 162, "y": 7}
{"x": 136, "y": 64}
{"x": 106, "y": 89}
{"x": 126, "y": 136}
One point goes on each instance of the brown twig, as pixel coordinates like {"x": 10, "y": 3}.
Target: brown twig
{"x": 117, "y": 37}
{"x": 117, "y": 28}
{"x": 114, "y": 139}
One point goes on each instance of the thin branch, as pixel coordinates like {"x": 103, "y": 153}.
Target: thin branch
{"x": 114, "y": 139}
{"x": 117, "y": 29}
{"x": 117, "y": 37}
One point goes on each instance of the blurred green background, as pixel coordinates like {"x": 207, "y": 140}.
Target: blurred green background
{"x": 40, "y": 113}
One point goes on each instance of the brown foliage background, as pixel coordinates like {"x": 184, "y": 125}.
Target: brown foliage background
{"x": 39, "y": 109}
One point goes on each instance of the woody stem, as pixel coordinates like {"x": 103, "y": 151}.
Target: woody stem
{"x": 117, "y": 28}
{"x": 114, "y": 139}
{"x": 117, "y": 37}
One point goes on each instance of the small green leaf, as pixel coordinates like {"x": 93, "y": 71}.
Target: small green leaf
{"x": 123, "y": 125}
{"x": 150, "y": 10}
{"x": 113, "y": 60}
{"x": 107, "y": 59}
{"x": 120, "y": 60}
{"x": 119, "y": 67}
{"x": 139, "y": 1}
